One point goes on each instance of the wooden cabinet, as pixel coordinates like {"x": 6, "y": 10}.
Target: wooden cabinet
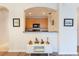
{"x": 53, "y": 22}
{"x": 36, "y": 24}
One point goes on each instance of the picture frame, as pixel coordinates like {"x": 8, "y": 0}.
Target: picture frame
{"x": 68, "y": 22}
{"x": 16, "y": 22}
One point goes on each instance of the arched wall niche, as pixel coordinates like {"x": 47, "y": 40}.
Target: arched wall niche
{"x": 4, "y": 35}
{"x": 42, "y": 12}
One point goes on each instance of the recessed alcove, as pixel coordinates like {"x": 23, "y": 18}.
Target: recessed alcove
{"x": 41, "y": 19}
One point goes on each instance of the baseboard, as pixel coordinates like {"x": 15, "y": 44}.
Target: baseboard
{"x": 68, "y": 53}
{"x": 17, "y": 51}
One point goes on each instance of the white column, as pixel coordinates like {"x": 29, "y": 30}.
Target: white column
{"x": 67, "y": 35}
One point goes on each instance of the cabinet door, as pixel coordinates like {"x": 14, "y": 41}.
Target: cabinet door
{"x": 53, "y": 22}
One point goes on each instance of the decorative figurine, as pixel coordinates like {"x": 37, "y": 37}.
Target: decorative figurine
{"x": 42, "y": 42}
{"x": 47, "y": 41}
{"x": 30, "y": 42}
{"x": 36, "y": 41}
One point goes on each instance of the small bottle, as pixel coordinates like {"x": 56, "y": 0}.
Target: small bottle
{"x": 47, "y": 42}
{"x": 30, "y": 42}
{"x": 36, "y": 41}
{"x": 42, "y": 42}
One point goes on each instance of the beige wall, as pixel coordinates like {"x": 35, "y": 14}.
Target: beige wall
{"x": 67, "y": 35}
{"x": 18, "y": 38}
{"x": 54, "y": 18}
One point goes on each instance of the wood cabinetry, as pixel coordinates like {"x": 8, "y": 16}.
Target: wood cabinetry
{"x": 47, "y": 24}
{"x": 42, "y": 22}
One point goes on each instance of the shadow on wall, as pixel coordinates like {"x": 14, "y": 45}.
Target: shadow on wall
{"x": 3, "y": 28}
